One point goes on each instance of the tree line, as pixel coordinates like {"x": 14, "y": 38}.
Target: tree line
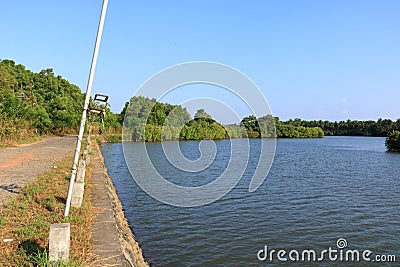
{"x": 179, "y": 125}
{"x": 269, "y": 126}
{"x": 381, "y": 127}
{"x": 45, "y": 103}
{"x": 149, "y": 120}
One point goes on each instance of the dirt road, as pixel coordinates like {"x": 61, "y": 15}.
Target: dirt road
{"x": 19, "y": 165}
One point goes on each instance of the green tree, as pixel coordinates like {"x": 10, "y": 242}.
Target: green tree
{"x": 201, "y": 114}
{"x": 251, "y": 125}
{"x": 38, "y": 102}
{"x": 393, "y": 141}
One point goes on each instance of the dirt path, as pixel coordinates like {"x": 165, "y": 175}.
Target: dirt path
{"x": 19, "y": 165}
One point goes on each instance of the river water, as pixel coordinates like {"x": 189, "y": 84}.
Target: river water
{"x": 317, "y": 191}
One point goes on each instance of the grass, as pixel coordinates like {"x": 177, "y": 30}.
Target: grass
{"x": 113, "y": 138}
{"x": 41, "y": 258}
{"x": 34, "y": 139}
{"x": 27, "y": 217}
{"x": 31, "y": 139}
{"x": 107, "y": 138}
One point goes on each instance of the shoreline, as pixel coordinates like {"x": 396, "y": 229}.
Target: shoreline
{"x": 130, "y": 247}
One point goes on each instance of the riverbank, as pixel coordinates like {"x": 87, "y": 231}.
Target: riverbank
{"x": 113, "y": 241}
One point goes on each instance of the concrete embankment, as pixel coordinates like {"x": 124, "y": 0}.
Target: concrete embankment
{"x": 113, "y": 241}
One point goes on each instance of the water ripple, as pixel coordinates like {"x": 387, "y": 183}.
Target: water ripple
{"x": 317, "y": 191}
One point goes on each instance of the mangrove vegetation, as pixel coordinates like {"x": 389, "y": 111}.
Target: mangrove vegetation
{"x": 393, "y": 141}
{"x": 34, "y": 104}
{"x": 149, "y": 120}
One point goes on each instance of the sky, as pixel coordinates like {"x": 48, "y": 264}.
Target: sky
{"x": 328, "y": 60}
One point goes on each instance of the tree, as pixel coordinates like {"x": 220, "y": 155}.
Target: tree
{"x": 267, "y": 126}
{"x": 56, "y": 104}
{"x": 393, "y": 141}
{"x": 252, "y": 126}
{"x": 122, "y": 114}
{"x": 201, "y": 114}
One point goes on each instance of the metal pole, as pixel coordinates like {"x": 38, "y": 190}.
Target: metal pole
{"x": 85, "y": 108}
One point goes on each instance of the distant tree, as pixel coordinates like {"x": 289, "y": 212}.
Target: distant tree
{"x": 251, "y": 125}
{"x": 122, "y": 114}
{"x": 201, "y": 114}
{"x": 203, "y": 128}
{"x": 393, "y": 141}
{"x": 267, "y": 125}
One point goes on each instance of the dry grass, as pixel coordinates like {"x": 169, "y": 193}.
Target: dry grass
{"x": 27, "y": 217}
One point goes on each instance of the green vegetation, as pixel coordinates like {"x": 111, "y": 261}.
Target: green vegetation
{"x": 145, "y": 118}
{"x": 36, "y": 103}
{"x": 142, "y": 110}
{"x": 393, "y": 141}
{"x": 26, "y": 220}
{"x": 290, "y": 131}
{"x": 41, "y": 258}
{"x": 381, "y": 127}
{"x": 172, "y": 122}
{"x": 264, "y": 127}
{"x": 203, "y": 127}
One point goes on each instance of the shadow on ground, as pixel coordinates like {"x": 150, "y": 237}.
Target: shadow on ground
{"x": 12, "y": 188}
{"x": 31, "y": 247}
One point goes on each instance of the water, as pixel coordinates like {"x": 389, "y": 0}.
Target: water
{"x": 318, "y": 190}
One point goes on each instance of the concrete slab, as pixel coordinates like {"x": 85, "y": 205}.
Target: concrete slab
{"x": 59, "y": 242}
{"x": 113, "y": 241}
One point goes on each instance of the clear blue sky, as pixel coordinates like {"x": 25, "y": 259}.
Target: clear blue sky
{"x": 312, "y": 59}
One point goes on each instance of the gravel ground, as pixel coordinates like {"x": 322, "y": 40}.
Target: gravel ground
{"x": 19, "y": 165}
